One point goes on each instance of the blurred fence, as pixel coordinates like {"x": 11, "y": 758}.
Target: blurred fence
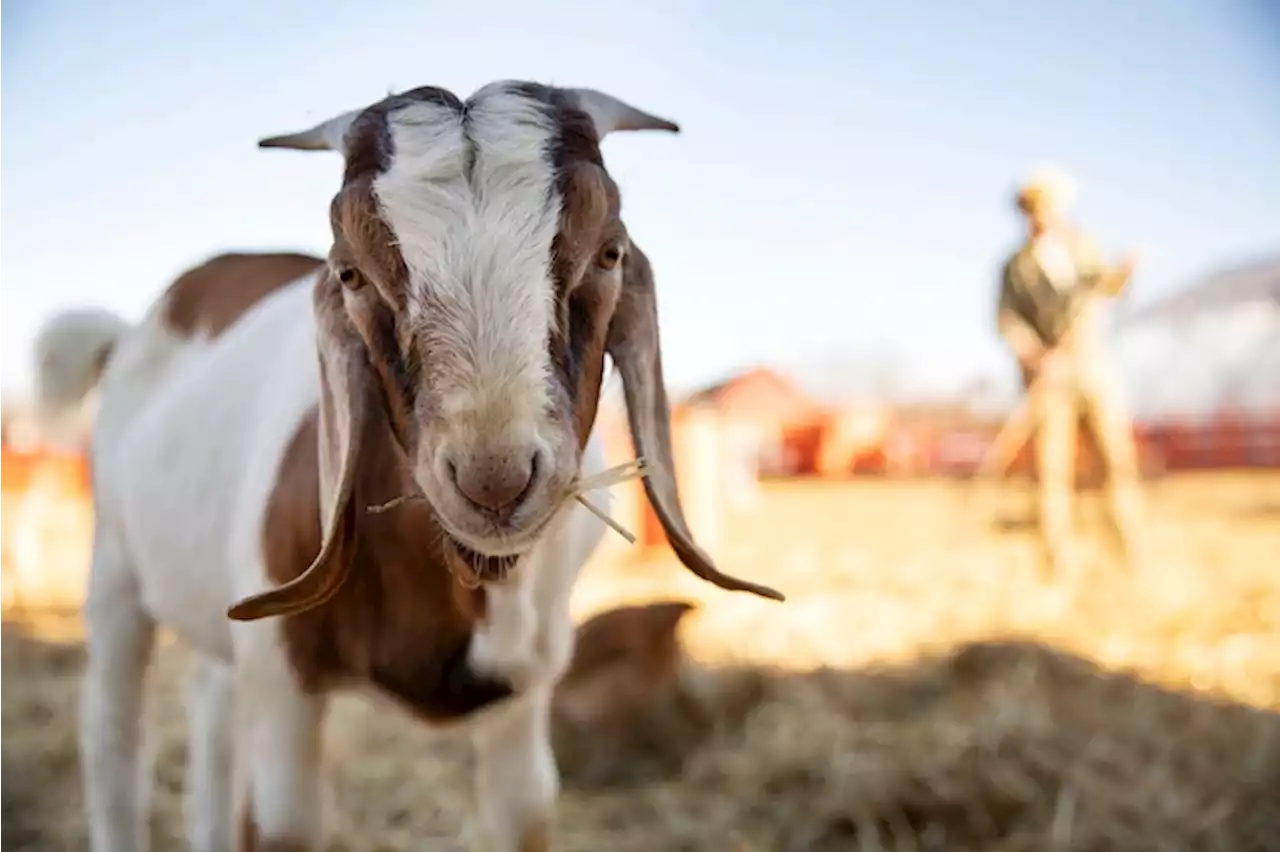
{"x": 1226, "y": 441}
{"x": 951, "y": 443}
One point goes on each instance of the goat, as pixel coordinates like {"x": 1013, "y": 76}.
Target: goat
{"x": 449, "y": 349}
{"x": 634, "y": 705}
{"x": 624, "y": 681}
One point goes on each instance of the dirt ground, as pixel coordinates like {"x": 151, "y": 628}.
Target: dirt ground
{"x": 923, "y": 687}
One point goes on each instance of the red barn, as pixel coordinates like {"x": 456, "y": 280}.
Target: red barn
{"x": 787, "y": 421}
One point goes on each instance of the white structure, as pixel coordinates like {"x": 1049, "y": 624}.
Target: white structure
{"x": 1211, "y": 346}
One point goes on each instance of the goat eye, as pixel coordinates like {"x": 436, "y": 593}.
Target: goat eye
{"x": 610, "y": 257}
{"x": 348, "y": 277}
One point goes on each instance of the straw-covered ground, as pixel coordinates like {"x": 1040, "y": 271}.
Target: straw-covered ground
{"x": 922, "y": 688}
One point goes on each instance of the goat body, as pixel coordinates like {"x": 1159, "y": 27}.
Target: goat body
{"x": 233, "y": 469}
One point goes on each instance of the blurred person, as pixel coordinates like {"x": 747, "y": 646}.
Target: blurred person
{"x": 1051, "y": 292}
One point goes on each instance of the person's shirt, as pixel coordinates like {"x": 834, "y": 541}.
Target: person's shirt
{"x": 1054, "y": 256}
{"x": 1043, "y": 285}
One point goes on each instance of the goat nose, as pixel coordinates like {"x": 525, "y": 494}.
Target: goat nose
{"x": 497, "y": 484}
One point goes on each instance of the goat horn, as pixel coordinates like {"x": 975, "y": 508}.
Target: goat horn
{"x": 610, "y": 114}
{"x": 325, "y": 136}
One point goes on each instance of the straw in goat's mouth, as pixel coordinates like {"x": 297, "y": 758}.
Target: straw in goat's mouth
{"x": 634, "y": 469}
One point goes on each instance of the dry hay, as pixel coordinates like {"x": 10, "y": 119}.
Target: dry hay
{"x": 1001, "y": 746}
{"x": 920, "y": 732}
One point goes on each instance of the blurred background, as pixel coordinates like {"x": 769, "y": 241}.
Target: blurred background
{"x": 827, "y": 232}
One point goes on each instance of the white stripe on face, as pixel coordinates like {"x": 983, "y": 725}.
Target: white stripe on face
{"x": 472, "y": 203}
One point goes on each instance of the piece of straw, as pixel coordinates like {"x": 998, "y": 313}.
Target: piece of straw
{"x": 379, "y": 508}
{"x": 634, "y": 469}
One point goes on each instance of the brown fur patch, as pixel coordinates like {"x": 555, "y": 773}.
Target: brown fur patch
{"x": 590, "y": 221}
{"x": 363, "y": 238}
{"x": 401, "y": 621}
{"x": 205, "y": 300}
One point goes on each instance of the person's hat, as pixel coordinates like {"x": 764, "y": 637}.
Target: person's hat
{"x": 1046, "y": 186}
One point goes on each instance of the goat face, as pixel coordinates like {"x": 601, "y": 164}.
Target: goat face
{"x": 479, "y": 272}
{"x": 482, "y": 249}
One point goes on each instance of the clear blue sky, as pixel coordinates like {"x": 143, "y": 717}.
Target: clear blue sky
{"x": 842, "y": 183}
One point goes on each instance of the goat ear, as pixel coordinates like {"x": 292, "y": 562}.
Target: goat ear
{"x": 328, "y": 135}
{"x": 348, "y": 394}
{"x": 610, "y": 114}
{"x": 634, "y": 346}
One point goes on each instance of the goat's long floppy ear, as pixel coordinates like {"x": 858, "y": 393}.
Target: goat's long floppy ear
{"x": 633, "y": 344}
{"x": 348, "y": 394}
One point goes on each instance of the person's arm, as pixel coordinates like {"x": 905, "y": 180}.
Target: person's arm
{"x": 1103, "y": 278}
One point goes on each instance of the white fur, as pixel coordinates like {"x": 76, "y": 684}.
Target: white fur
{"x": 528, "y": 635}
{"x": 66, "y": 347}
{"x": 187, "y": 440}
{"x": 475, "y": 213}
{"x": 208, "y": 805}
{"x": 187, "y": 444}
{"x": 516, "y": 777}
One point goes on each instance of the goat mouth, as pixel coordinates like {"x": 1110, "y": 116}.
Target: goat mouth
{"x": 479, "y": 566}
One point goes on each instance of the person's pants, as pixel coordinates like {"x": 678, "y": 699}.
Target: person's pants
{"x": 1059, "y": 404}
